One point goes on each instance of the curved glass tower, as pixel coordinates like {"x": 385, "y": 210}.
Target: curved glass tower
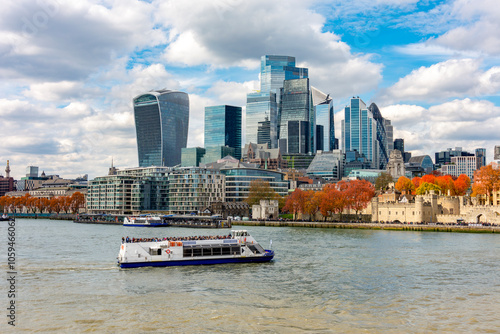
{"x": 161, "y": 124}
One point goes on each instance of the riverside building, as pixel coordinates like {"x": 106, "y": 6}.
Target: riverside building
{"x": 161, "y": 122}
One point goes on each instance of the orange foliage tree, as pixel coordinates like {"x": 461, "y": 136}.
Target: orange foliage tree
{"x": 360, "y": 193}
{"x": 295, "y": 202}
{"x": 486, "y": 181}
{"x": 462, "y": 183}
{"x": 445, "y": 182}
{"x": 404, "y": 184}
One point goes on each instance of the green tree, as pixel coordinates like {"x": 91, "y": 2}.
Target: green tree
{"x": 425, "y": 187}
{"x": 260, "y": 189}
{"x": 383, "y": 181}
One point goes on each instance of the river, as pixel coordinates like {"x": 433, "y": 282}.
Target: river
{"x": 321, "y": 281}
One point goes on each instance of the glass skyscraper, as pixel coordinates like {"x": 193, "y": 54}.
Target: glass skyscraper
{"x": 296, "y": 105}
{"x": 161, "y": 123}
{"x": 323, "y": 105}
{"x": 223, "y": 127}
{"x": 259, "y": 107}
{"x": 274, "y": 70}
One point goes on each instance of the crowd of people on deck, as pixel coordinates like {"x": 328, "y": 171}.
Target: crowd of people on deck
{"x": 203, "y": 237}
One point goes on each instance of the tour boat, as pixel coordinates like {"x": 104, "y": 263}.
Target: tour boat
{"x": 238, "y": 247}
{"x": 144, "y": 221}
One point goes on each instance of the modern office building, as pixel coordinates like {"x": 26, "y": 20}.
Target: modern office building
{"x": 480, "y": 157}
{"x": 320, "y": 136}
{"x": 461, "y": 165}
{"x": 323, "y": 105}
{"x": 161, "y": 122}
{"x": 444, "y": 157}
{"x": 420, "y": 165}
{"x": 223, "y": 127}
{"x": 327, "y": 165}
{"x": 276, "y": 69}
{"x": 239, "y": 180}
{"x": 296, "y": 105}
{"x": 365, "y": 130}
{"x": 215, "y": 153}
{"x": 191, "y": 156}
{"x": 496, "y": 153}
{"x": 264, "y": 133}
{"x": 262, "y": 106}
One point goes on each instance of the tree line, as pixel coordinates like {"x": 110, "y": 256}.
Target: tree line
{"x": 31, "y": 204}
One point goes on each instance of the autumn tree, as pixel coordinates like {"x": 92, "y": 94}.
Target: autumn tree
{"x": 295, "y": 202}
{"x": 77, "y": 202}
{"x": 259, "y": 190}
{"x": 383, "y": 181}
{"x": 404, "y": 184}
{"x": 313, "y": 202}
{"x": 429, "y": 178}
{"x": 445, "y": 182}
{"x": 462, "y": 184}
{"x": 425, "y": 187}
{"x": 360, "y": 193}
{"x": 486, "y": 182}
{"x": 416, "y": 181}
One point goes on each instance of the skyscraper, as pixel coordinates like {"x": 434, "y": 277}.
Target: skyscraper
{"x": 161, "y": 123}
{"x": 264, "y": 133}
{"x": 359, "y": 130}
{"x": 323, "y": 105}
{"x": 223, "y": 127}
{"x": 259, "y": 107}
{"x": 273, "y": 71}
{"x": 296, "y": 105}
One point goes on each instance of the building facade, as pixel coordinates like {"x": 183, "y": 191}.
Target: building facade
{"x": 323, "y": 107}
{"x": 161, "y": 122}
{"x": 327, "y": 165}
{"x": 239, "y": 180}
{"x": 194, "y": 189}
{"x": 223, "y": 127}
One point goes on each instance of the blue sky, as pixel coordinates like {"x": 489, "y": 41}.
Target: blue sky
{"x": 70, "y": 70}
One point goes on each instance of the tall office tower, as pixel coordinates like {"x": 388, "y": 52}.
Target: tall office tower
{"x": 359, "y": 131}
{"x": 480, "y": 157}
{"x": 298, "y": 137}
{"x": 320, "y": 137}
{"x": 383, "y": 137}
{"x": 274, "y": 70}
{"x": 259, "y": 107}
{"x": 264, "y": 133}
{"x": 223, "y": 127}
{"x": 161, "y": 124}
{"x": 323, "y": 106}
{"x": 496, "y": 153}
{"x": 399, "y": 144}
{"x": 296, "y": 105}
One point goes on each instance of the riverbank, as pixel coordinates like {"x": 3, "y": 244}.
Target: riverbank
{"x": 374, "y": 226}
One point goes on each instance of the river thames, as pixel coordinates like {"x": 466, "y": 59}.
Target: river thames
{"x": 321, "y": 281}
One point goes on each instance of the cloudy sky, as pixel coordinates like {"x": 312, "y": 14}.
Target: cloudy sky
{"x": 69, "y": 69}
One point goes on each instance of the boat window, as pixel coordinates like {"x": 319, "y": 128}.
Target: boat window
{"x": 236, "y": 250}
{"x": 216, "y": 251}
{"x": 253, "y": 249}
{"x": 207, "y": 251}
{"x": 187, "y": 252}
{"x": 196, "y": 251}
{"x": 226, "y": 250}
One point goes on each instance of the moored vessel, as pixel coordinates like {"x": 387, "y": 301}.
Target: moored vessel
{"x": 237, "y": 247}
{"x": 144, "y": 221}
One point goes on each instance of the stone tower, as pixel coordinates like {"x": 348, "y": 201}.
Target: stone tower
{"x": 396, "y": 165}
{"x": 7, "y": 170}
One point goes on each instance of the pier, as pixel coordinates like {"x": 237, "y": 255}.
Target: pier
{"x": 375, "y": 226}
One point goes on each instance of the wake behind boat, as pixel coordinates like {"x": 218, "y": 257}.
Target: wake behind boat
{"x": 238, "y": 247}
{"x": 144, "y": 221}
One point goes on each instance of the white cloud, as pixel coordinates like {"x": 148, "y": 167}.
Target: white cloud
{"x": 444, "y": 80}
{"x": 237, "y": 33}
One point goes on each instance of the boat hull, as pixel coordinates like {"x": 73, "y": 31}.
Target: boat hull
{"x": 147, "y": 225}
{"x": 266, "y": 258}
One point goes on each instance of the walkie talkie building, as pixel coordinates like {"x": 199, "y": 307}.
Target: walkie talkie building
{"x": 161, "y": 124}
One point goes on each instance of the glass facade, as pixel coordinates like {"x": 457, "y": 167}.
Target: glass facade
{"x": 259, "y": 107}
{"x": 298, "y": 137}
{"x": 214, "y": 153}
{"x": 324, "y": 117}
{"x": 264, "y": 133}
{"x": 328, "y": 165}
{"x": 191, "y": 157}
{"x": 223, "y": 127}
{"x": 161, "y": 121}
{"x": 296, "y": 105}
{"x": 238, "y": 181}
{"x": 275, "y": 69}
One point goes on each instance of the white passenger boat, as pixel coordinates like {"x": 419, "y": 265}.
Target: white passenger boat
{"x": 238, "y": 247}
{"x": 145, "y": 221}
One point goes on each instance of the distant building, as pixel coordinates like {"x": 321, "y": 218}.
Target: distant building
{"x": 223, "y": 128}
{"x": 396, "y": 165}
{"x": 297, "y": 117}
{"x": 191, "y": 157}
{"x": 298, "y": 161}
{"x": 461, "y": 165}
{"x": 496, "y": 155}
{"x": 161, "y": 122}
{"x": 266, "y": 158}
{"x": 420, "y": 165}
{"x": 327, "y": 165}
{"x": 7, "y": 182}
{"x": 266, "y": 209}
{"x": 264, "y": 133}
{"x": 480, "y": 157}
{"x": 261, "y": 107}
{"x": 194, "y": 189}
{"x": 215, "y": 153}
{"x": 323, "y": 105}
{"x": 444, "y": 157}
{"x": 129, "y": 191}
{"x": 239, "y": 180}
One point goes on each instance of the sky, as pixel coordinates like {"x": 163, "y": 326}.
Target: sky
{"x": 70, "y": 69}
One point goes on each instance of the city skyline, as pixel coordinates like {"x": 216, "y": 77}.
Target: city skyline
{"x": 70, "y": 70}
